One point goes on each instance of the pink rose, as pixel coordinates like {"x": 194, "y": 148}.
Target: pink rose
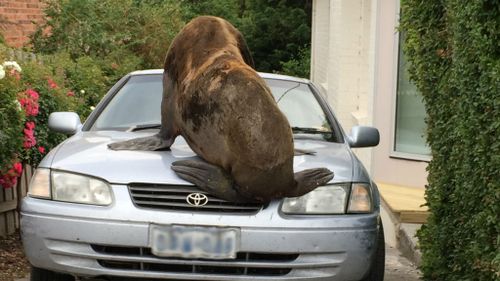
{"x": 33, "y": 94}
{"x": 52, "y": 84}
{"x": 18, "y": 168}
{"x": 41, "y": 149}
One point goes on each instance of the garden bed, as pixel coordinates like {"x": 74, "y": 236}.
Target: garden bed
{"x": 13, "y": 263}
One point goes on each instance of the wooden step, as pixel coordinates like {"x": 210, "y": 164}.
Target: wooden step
{"x": 405, "y": 203}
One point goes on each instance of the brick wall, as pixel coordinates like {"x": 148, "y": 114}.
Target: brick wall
{"x": 17, "y": 17}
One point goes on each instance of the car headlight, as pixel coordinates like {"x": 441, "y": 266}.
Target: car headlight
{"x": 40, "y": 184}
{"x": 330, "y": 200}
{"x": 68, "y": 187}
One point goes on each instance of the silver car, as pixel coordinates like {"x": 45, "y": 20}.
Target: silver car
{"x": 95, "y": 213}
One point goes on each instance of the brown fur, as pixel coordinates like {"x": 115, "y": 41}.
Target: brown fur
{"x": 227, "y": 114}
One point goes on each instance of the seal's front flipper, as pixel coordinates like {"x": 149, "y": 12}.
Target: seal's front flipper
{"x": 210, "y": 178}
{"x": 154, "y": 142}
{"x": 308, "y": 180}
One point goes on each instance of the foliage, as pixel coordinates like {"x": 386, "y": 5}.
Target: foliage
{"x": 11, "y": 124}
{"x": 96, "y": 28}
{"x": 29, "y": 93}
{"x": 53, "y": 96}
{"x": 141, "y": 31}
{"x": 276, "y": 31}
{"x": 298, "y": 66}
{"x": 453, "y": 47}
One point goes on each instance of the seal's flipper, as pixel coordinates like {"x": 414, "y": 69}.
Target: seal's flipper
{"x": 308, "y": 180}
{"x": 210, "y": 178}
{"x": 154, "y": 142}
{"x": 299, "y": 152}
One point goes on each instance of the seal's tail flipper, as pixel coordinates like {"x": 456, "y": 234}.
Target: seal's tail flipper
{"x": 308, "y": 180}
{"x": 210, "y": 178}
{"x": 154, "y": 142}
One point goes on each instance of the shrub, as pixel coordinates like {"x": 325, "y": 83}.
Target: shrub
{"x": 299, "y": 66}
{"x": 277, "y": 32}
{"x": 100, "y": 28}
{"x": 52, "y": 96}
{"x": 29, "y": 93}
{"x": 11, "y": 125}
{"x": 453, "y": 49}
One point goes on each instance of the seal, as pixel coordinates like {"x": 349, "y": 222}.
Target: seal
{"x": 214, "y": 98}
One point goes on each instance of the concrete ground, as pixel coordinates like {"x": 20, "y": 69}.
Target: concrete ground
{"x": 397, "y": 268}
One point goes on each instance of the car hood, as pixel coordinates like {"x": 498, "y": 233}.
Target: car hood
{"x": 88, "y": 153}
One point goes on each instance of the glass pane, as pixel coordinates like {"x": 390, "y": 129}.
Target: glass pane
{"x": 410, "y": 113}
{"x": 299, "y": 104}
{"x": 137, "y": 102}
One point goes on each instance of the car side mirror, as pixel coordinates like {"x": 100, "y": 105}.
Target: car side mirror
{"x": 363, "y": 136}
{"x": 64, "y": 122}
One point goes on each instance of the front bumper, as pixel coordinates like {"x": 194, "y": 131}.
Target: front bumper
{"x": 68, "y": 238}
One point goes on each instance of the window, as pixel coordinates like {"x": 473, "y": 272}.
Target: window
{"x": 410, "y": 126}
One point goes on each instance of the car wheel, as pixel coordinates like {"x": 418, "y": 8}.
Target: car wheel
{"x": 377, "y": 268}
{"x": 39, "y": 274}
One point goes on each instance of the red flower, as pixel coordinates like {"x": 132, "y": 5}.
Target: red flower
{"x": 9, "y": 179}
{"x": 30, "y": 125}
{"x": 18, "y": 168}
{"x": 33, "y": 94}
{"x": 41, "y": 149}
{"x": 52, "y": 84}
{"x": 29, "y": 135}
{"x": 23, "y": 102}
{"x": 70, "y": 94}
{"x": 29, "y": 102}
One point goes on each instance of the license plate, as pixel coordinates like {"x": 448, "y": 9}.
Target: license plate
{"x": 194, "y": 241}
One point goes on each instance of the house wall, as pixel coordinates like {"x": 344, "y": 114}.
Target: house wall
{"x": 343, "y": 60}
{"x": 16, "y": 20}
{"x": 321, "y": 36}
{"x": 354, "y": 58}
{"x": 386, "y": 167}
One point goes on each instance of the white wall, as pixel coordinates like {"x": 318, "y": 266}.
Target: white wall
{"x": 343, "y": 60}
{"x": 386, "y": 167}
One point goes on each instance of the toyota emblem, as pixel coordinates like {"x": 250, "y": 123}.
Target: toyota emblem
{"x": 197, "y": 199}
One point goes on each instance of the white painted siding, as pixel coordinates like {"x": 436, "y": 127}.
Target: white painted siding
{"x": 320, "y": 37}
{"x": 343, "y": 59}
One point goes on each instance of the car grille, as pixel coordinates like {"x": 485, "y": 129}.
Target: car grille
{"x": 246, "y": 264}
{"x": 173, "y": 197}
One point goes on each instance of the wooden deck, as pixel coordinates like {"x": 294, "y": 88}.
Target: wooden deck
{"x": 405, "y": 203}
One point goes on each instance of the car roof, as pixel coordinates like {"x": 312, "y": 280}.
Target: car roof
{"x": 262, "y": 74}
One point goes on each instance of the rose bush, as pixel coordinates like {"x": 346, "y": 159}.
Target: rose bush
{"x": 11, "y": 123}
{"x": 28, "y": 95}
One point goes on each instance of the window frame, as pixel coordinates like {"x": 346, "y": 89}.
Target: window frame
{"x": 394, "y": 102}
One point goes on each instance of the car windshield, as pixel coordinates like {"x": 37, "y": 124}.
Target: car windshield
{"x": 136, "y": 106}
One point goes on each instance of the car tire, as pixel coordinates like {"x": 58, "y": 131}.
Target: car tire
{"x": 377, "y": 268}
{"x": 39, "y": 274}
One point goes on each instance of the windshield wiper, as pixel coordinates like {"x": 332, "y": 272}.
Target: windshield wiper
{"x": 305, "y": 130}
{"x": 286, "y": 92}
{"x": 144, "y": 127}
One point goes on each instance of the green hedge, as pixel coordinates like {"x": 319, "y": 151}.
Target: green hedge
{"x": 454, "y": 50}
